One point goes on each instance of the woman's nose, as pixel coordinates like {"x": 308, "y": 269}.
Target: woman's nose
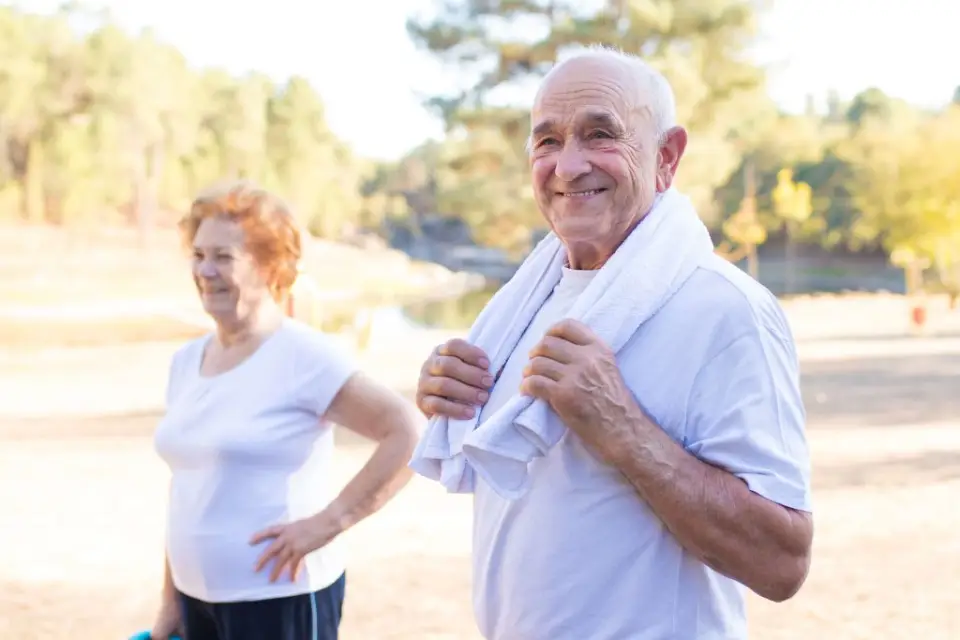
{"x": 206, "y": 269}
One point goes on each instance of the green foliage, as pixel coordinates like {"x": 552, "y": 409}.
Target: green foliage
{"x": 905, "y": 183}
{"x": 110, "y": 126}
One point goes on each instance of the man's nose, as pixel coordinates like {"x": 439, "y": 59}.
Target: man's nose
{"x": 572, "y": 162}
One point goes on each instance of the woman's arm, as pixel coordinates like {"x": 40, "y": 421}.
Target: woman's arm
{"x": 168, "y": 621}
{"x": 372, "y": 411}
{"x": 375, "y": 412}
{"x": 169, "y": 594}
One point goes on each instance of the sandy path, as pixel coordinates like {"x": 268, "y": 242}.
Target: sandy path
{"x": 81, "y": 540}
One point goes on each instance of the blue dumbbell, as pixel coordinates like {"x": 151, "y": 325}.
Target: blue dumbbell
{"x": 145, "y": 635}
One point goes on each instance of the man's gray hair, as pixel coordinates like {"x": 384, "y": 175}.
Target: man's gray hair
{"x": 656, "y": 92}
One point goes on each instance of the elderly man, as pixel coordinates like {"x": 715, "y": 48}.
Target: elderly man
{"x": 684, "y": 470}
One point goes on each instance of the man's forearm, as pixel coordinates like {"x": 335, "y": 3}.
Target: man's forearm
{"x": 714, "y": 515}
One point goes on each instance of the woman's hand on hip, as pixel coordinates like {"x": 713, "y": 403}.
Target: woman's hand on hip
{"x": 292, "y": 542}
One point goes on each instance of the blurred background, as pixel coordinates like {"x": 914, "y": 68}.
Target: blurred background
{"x": 824, "y": 156}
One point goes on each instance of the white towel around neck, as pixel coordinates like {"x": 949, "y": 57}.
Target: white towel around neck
{"x": 653, "y": 262}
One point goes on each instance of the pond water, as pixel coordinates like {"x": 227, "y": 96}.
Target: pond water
{"x": 449, "y": 313}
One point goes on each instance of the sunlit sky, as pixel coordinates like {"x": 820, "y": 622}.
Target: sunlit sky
{"x": 372, "y": 78}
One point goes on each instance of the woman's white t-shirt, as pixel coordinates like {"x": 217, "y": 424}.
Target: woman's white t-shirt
{"x": 248, "y": 449}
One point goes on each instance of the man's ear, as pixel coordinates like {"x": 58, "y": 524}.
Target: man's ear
{"x": 672, "y": 146}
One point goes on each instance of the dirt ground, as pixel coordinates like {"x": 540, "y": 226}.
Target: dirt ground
{"x": 82, "y": 498}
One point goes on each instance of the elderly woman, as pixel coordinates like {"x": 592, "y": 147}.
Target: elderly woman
{"x": 253, "y": 521}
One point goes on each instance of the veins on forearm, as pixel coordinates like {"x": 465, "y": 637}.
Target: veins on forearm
{"x": 709, "y": 511}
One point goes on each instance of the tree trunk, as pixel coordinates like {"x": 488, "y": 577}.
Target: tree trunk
{"x": 147, "y": 171}
{"x": 753, "y": 262}
{"x": 790, "y": 255}
{"x": 34, "y": 198}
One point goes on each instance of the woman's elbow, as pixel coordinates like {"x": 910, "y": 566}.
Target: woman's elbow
{"x": 377, "y": 413}
{"x": 403, "y": 426}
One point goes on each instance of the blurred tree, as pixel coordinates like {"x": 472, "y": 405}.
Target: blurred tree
{"x": 906, "y": 185}
{"x": 744, "y": 228}
{"x": 793, "y": 207}
{"x": 102, "y": 125}
{"x": 111, "y": 125}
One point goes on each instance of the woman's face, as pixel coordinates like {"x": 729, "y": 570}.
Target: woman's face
{"x": 228, "y": 279}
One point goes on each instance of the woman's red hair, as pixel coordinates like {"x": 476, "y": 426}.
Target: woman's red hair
{"x": 271, "y": 232}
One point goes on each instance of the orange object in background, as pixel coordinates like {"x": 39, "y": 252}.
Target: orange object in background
{"x": 918, "y": 316}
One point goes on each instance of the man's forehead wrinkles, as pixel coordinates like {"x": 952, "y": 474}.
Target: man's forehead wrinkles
{"x": 600, "y": 95}
{"x": 564, "y": 105}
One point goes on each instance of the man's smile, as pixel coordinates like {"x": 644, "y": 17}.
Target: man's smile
{"x": 587, "y": 193}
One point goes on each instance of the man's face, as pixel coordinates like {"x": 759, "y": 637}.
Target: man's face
{"x": 595, "y": 157}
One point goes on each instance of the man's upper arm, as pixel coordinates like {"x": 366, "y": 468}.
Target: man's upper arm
{"x": 745, "y": 415}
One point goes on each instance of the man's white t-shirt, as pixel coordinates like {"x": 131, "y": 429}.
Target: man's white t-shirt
{"x": 581, "y": 556}
{"x": 248, "y": 449}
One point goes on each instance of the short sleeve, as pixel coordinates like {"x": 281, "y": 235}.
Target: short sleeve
{"x": 745, "y": 414}
{"x": 176, "y": 371}
{"x": 324, "y": 366}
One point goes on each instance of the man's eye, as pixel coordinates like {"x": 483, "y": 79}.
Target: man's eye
{"x": 599, "y": 135}
{"x": 546, "y": 141}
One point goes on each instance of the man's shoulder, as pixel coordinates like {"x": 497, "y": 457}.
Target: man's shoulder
{"x": 728, "y": 301}
{"x": 718, "y": 305}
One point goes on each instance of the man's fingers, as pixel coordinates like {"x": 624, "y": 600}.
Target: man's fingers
{"x": 540, "y": 366}
{"x": 470, "y": 354}
{"x": 572, "y": 331}
{"x": 437, "y": 406}
{"x": 454, "y": 390}
{"x": 554, "y": 348}
{"x": 537, "y": 387}
{"x": 457, "y": 369}
{"x": 454, "y": 380}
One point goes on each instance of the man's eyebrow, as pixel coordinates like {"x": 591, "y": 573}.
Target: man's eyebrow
{"x": 544, "y": 127}
{"x": 603, "y": 119}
